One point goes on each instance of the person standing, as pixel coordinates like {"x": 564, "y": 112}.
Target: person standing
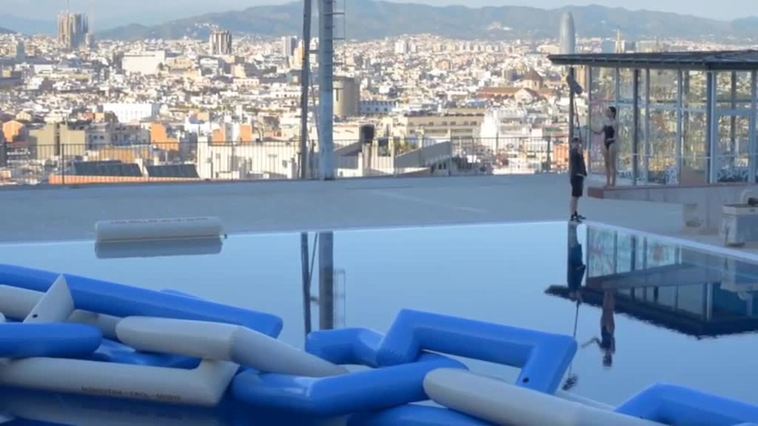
{"x": 610, "y": 135}
{"x": 577, "y": 173}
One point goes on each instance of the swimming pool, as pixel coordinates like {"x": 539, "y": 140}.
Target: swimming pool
{"x": 650, "y": 311}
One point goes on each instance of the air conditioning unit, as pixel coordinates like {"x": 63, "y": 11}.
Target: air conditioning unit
{"x": 739, "y": 224}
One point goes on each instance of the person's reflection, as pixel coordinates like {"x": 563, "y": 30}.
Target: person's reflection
{"x": 575, "y": 269}
{"x": 607, "y": 340}
{"x": 575, "y": 265}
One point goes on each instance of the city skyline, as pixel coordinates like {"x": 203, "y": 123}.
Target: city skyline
{"x": 110, "y": 13}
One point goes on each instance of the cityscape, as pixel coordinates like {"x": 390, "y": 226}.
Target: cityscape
{"x": 77, "y": 109}
{"x": 378, "y": 212}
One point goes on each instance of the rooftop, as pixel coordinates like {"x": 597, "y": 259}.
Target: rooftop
{"x": 746, "y": 60}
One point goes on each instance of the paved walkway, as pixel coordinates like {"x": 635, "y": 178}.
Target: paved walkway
{"x": 49, "y": 214}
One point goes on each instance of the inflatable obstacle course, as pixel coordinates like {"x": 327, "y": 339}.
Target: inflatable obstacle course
{"x": 92, "y": 338}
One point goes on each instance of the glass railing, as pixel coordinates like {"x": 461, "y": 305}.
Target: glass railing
{"x": 160, "y": 162}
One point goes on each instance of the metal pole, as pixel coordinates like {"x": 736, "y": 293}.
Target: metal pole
{"x": 648, "y": 141}
{"x": 326, "y": 88}
{"x": 733, "y": 148}
{"x": 712, "y": 121}
{"x": 753, "y": 144}
{"x": 635, "y": 126}
{"x": 679, "y": 126}
{"x": 306, "y": 277}
{"x": 571, "y": 105}
{"x": 326, "y": 280}
{"x": 589, "y": 120}
{"x": 305, "y": 80}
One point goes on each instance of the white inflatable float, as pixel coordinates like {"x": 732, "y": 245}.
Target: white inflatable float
{"x": 158, "y": 229}
{"x": 205, "y": 385}
{"x": 505, "y": 404}
{"x": 18, "y": 303}
{"x": 222, "y": 342}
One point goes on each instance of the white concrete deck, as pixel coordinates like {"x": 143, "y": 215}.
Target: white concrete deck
{"x": 50, "y": 214}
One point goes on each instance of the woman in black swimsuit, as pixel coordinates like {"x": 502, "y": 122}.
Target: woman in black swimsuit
{"x": 610, "y": 133}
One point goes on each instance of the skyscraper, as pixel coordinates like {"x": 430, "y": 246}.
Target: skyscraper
{"x": 220, "y": 43}
{"x": 289, "y": 45}
{"x": 72, "y": 30}
{"x": 568, "y": 34}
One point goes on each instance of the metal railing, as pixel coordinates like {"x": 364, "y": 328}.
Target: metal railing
{"x": 159, "y": 162}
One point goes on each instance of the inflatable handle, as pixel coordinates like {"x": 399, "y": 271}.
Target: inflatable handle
{"x": 221, "y": 342}
{"x": 542, "y": 357}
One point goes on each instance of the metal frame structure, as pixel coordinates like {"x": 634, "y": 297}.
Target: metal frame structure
{"x": 713, "y": 65}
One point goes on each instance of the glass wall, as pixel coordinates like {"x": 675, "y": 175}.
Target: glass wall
{"x": 662, "y": 139}
{"x": 603, "y": 95}
{"x": 733, "y": 143}
{"x": 673, "y": 130}
{"x": 694, "y": 128}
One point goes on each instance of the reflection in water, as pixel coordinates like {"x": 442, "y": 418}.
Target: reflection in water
{"x": 31, "y": 407}
{"x": 307, "y": 274}
{"x": 607, "y": 340}
{"x": 326, "y": 280}
{"x": 332, "y": 283}
{"x": 159, "y": 248}
{"x": 688, "y": 291}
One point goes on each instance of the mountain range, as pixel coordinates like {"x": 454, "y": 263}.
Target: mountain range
{"x": 372, "y": 19}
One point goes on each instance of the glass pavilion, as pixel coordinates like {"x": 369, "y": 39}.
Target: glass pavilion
{"x": 685, "y": 118}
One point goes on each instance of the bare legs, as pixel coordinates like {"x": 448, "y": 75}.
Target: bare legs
{"x": 574, "y": 207}
{"x": 609, "y": 155}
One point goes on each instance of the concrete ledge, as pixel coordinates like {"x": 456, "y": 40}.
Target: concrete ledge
{"x": 702, "y": 203}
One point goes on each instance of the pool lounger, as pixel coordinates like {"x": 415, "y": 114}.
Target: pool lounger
{"x": 118, "y": 300}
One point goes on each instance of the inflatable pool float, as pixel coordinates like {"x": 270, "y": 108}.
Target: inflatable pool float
{"x": 77, "y": 335}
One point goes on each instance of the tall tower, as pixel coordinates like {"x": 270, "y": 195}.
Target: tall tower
{"x": 220, "y": 43}
{"x": 620, "y": 43}
{"x": 289, "y": 46}
{"x": 568, "y": 34}
{"x": 72, "y": 30}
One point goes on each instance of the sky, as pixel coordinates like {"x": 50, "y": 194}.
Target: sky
{"x": 114, "y": 12}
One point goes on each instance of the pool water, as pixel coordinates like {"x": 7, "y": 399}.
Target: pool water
{"x": 648, "y": 311}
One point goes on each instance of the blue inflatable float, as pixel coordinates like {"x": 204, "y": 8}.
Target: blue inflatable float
{"x": 48, "y": 340}
{"x": 543, "y": 358}
{"x": 408, "y": 365}
{"x": 119, "y": 300}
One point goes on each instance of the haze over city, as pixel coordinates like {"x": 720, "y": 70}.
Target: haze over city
{"x": 110, "y": 13}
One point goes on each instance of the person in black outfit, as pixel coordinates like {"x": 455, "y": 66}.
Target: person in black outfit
{"x": 577, "y": 172}
{"x": 610, "y": 135}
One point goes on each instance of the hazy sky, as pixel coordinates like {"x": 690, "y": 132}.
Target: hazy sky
{"x": 113, "y": 12}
